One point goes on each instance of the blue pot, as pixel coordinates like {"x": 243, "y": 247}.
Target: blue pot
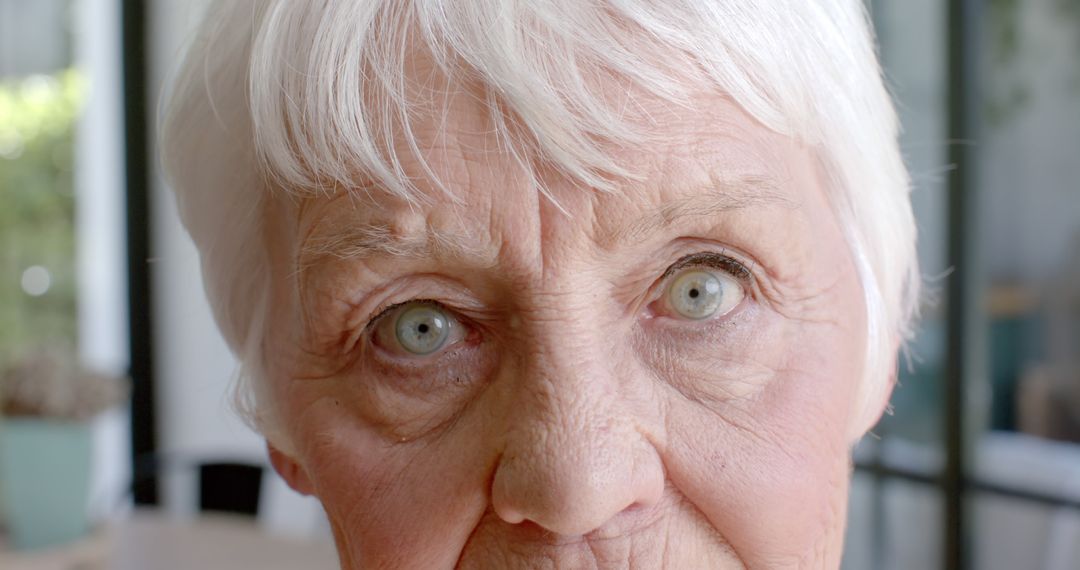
{"x": 44, "y": 481}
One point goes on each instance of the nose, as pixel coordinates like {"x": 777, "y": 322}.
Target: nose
{"x": 575, "y": 456}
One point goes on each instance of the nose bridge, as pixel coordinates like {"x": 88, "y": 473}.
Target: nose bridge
{"x": 565, "y": 394}
{"x": 566, "y": 379}
{"x": 565, "y": 364}
{"x": 573, "y": 458}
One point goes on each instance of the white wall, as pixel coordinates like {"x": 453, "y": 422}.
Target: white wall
{"x": 30, "y": 40}
{"x": 100, "y": 245}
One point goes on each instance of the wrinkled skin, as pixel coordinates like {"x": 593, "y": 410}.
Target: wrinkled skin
{"x": 576, "y": 421}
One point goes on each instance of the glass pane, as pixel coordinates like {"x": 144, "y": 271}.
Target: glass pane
{"x": 40, "y": 98}
{"x": 893, "y": 523}
{"x": 63, "y": 352}
{"x": 912, "y": 39}
{"x": 1028, "y": 220}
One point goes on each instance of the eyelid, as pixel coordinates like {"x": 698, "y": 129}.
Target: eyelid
{"x": 384, "y": 310}
{"x": 715, "y": 260}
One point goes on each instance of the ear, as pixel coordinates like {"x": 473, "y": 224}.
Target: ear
{"x": 874, "y": 407}
{"x": 290, "y": 471}
{"x": 873, "y": 400}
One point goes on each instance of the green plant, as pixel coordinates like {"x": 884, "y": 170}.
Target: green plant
{"x": 47, "y": 382}
{"x": 38, "y": 116}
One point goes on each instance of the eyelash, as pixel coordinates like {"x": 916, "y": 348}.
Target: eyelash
{"x": 721, "y": 261}
{"x": 384, "y": 310}
{"x": 710, "y": 259}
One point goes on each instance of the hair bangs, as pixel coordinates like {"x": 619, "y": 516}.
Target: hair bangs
{"x": 335, "y": 90}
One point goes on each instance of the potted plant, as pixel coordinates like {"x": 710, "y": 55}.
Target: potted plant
{"x": 46, "y": 402}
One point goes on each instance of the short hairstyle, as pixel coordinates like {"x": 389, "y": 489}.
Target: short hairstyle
{"x": 304, "y": 94}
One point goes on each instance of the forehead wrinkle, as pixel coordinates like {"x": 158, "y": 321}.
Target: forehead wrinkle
{"x": 383, "y": 239}
{"x": 716, "y": 197}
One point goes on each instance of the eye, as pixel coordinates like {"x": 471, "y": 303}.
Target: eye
{"x": 417, "y": 328}
{"x": 699, "y": 293}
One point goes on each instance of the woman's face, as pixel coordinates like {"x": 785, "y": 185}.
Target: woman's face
{"x": 663, "y": 376}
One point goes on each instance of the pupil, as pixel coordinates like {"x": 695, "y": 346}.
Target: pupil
{"x": 423, "y": 328}
{"x": 694, "y": 293}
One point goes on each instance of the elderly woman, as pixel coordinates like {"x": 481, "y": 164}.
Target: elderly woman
{"x": 553, "y": 283}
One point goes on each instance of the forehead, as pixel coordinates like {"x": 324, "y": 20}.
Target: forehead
{"x": 696, "y": 159}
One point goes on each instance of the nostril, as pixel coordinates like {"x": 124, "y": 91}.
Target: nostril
{"x": 579, "y": 518}
{"x": 508, "y": 514}
{"x": 574, "y": 498}
{"x": 630, "y": 520}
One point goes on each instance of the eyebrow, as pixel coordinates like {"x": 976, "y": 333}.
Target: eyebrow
{"x": 360, "y": 241}
{"x": 721, "y": 195}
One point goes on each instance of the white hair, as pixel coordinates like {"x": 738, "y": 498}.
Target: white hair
{"x": 304, "y": 94}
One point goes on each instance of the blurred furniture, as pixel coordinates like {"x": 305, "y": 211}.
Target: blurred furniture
{"x": 1046, "y": 404}
{"x": 150, "y": 540}
{"x": 229, "y": 481}
{"x": 1049, "y": 403}
{"x": 229, "y": 487}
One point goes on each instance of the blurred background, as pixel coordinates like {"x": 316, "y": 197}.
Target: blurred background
{"x": 114, "y": 381}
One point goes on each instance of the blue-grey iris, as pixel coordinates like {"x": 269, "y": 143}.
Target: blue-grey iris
{"x": 696, "y": 294}
{"x": 422, "y": 329}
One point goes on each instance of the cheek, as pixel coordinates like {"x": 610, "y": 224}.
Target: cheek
{"x": 719, "y": 365}
{"x": 770, "y": 469}
{"x": 391, "y": 462}
{"x": 381, "y": 497}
